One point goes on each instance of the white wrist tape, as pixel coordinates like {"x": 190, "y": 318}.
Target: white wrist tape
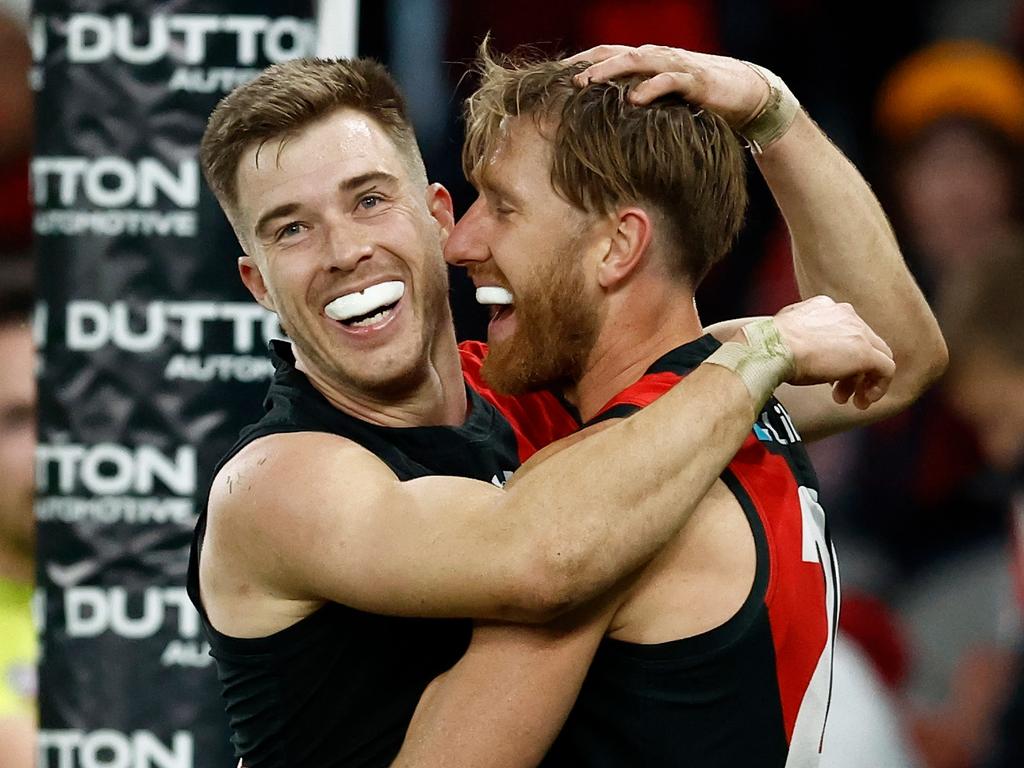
{"x": 774, "y": 119}
{"x": 762, "y": 364}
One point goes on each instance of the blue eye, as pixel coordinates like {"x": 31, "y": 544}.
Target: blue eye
{"x": 369, "y": 202}
{"x": 289, "y": 230}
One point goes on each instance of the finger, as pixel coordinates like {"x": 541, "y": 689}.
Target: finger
{"x": 681, "y": 83}
{"x": 843, "y": 389}
{"x": 632, "y": 61}
{"x": 873, "y": 384}
{"x": 595, "y": 54}
{"x": 877, "y": 388}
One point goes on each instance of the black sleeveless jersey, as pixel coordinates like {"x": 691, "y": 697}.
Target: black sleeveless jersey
{"x": 755, "y": 690}
{"x": 339, "y": 687}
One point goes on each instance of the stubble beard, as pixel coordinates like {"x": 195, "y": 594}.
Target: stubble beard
{"x": 410, "y": 372}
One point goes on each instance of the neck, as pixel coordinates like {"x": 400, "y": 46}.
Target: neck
{"x": 643, "y": 324}
{"x": 436, "y": 397}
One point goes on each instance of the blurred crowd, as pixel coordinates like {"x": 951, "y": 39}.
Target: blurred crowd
{"x": 927, "y": 510}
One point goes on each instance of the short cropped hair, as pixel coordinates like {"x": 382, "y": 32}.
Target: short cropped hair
{"x": 685, "y": 162}
{"x": 287, "y": 97}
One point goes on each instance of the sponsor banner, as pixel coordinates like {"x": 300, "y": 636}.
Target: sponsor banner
{"x": 153, "y": 356}
{"x": 200, "y": 340}
{"x": 109, "y": 748}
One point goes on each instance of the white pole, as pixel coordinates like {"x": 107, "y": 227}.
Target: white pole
{"x": 337, "y": 24}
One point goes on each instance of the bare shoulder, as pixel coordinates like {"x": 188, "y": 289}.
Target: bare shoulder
{"x": 285, "y": 471}
{"x": 271, "y": 502}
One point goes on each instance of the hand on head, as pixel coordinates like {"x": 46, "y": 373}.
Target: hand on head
{"x": 729, "y": 87}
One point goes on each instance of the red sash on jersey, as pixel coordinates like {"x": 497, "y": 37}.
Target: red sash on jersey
{"x": 537, "y": 418}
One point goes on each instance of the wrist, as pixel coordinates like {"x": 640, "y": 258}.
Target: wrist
{"x": 762, "y": 363}
{"x": 775, "y": 116}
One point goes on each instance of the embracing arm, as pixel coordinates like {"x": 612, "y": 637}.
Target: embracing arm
{"x": 310, "y": 516}
{"x": 843, "y": 247}
{"x": 506, "y": 700}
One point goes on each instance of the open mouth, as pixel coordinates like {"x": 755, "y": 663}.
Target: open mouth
{"x": 498, "y": 299}
{"x": 368, "y": 307}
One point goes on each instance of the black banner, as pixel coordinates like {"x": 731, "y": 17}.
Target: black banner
{"x": 153, "y": 357}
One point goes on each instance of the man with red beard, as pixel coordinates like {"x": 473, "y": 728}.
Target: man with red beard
{"x": 366, "y": 495}
{"x": 604, "y": 198}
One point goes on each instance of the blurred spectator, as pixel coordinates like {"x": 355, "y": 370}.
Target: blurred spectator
{"x": 984, "y": 324}
{"x": 17, "y": 529}
{"x": 17, "y": 403}
{"x": 985, "y": 328}
{"x": 953, "y": 119}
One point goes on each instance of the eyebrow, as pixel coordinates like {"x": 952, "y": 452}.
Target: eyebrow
{"x": 348, "y": 185}
{"x": 488, "y": 183}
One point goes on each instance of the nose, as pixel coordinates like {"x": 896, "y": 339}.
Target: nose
{"x": 346, "y": 247}
{"x": 467, "y": 244}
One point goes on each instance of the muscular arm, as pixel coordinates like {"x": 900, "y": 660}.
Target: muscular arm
{"x": 506, "y": 700}
{"x": 844, "y": 248}
{"x": 312, "y": 516}
{"x": 309, "y": 517}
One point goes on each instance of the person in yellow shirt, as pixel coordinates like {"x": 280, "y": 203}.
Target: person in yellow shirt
{"x": 17, "y": 531}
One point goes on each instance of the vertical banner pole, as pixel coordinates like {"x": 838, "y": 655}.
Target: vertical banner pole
{"x": 153, "y": 356}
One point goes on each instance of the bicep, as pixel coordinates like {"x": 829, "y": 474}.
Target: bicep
{"x": 324, "y": 519}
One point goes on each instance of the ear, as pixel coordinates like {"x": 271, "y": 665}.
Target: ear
{"x": 253, "y": 280}
{"x": 439, "y": 203}
{"x": 627, "y": 247}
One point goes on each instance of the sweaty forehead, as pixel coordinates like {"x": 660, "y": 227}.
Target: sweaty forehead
{"x": 345, "y": 137}
{"x": 520, "y": 154}
{"x": 286, "y": 169}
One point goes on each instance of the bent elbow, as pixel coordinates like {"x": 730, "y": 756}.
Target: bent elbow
{"x": 555, "y": 580}
{"x": 920, "y": 374}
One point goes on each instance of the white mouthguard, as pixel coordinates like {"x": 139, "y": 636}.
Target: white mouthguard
{"x": 365, "y": 301}
{"x": 493, "y": 294}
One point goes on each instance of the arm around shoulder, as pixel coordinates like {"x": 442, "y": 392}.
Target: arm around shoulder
{"x": 313, "y": 516}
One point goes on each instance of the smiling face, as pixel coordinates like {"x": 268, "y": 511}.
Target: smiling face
{"x": 522, "y": 236}
{"x": 343, "y": 241}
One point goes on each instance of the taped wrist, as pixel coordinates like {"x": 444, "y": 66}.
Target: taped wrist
{"x": 762, "y": 363}
{"x": 775, "y": 117}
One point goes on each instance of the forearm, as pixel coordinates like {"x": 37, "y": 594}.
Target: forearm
{"x": 506, "y": 700}
{"x": 609, "y": 502}
{"x": 843, "y": 247}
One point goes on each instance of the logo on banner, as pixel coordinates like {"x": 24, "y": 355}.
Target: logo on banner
{"x": 186, "y": 325}
{"x": 114, "y": 196}
{"x": 163, "y": 612}
{"x": 184, "y": 40}
{"x": 107, "y": 748}
{"x": 112, "y": 483}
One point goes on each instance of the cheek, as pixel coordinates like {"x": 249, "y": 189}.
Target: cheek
{"x": 17, "y": 459}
